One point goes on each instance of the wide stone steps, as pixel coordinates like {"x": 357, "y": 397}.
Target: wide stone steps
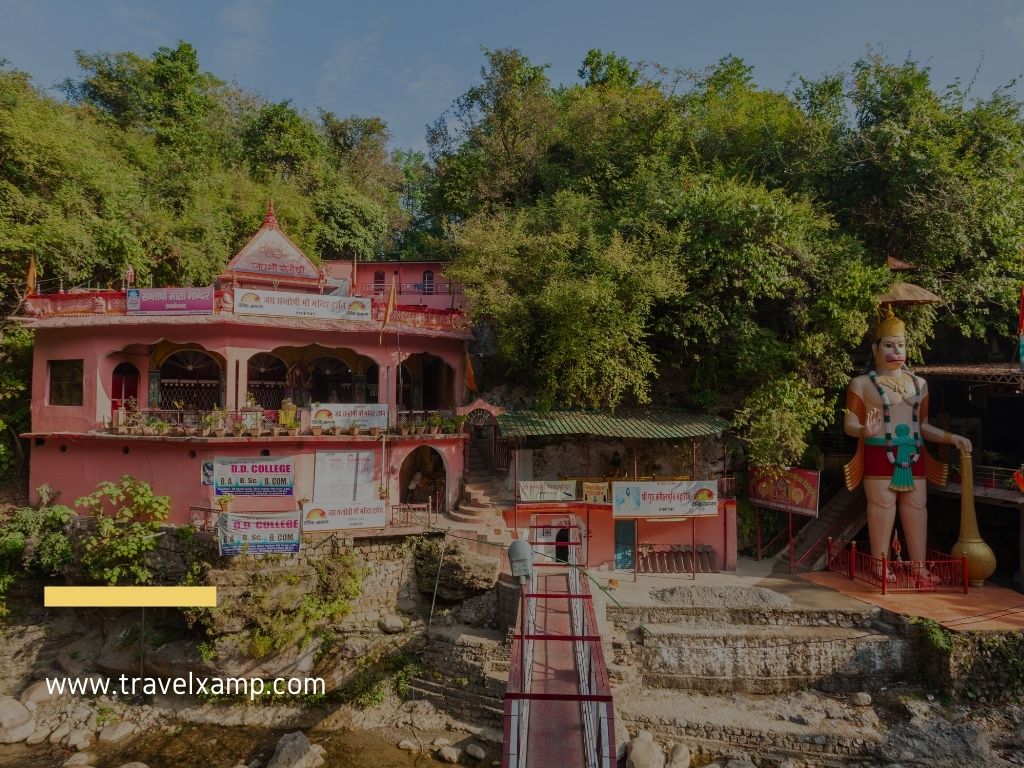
{"x": 764, "y": 659}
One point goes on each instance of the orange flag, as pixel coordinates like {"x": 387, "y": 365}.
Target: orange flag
{"x": 388, "y": 309}
{"x": 470, "y": 378}
{"x": 30, "y": 278}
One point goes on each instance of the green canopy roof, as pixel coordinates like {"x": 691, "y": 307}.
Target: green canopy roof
{"x": 646, "y": 424}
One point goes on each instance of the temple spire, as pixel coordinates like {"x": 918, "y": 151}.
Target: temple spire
{"x": 270, "y": 220}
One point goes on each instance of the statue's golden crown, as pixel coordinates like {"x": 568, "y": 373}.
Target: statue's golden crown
{"x": 890, "y": 325}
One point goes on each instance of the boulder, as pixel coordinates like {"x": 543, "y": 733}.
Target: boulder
{"x": 644, "y": 754}
{"x": 391, "y": 625}
{"x": 38, "y": 736}
{"x": 80, "y": 739}
{"x": 295, "y": 751}
{"x": 136, "y": 764}
{"x": 476, "y": 752}
{"x": 449, "y": 755}
{"x": 80, "y": 758}
{"x": 679, "y": 756}
{"x": 117, "y": 731}
{"x": 37, "y": 693}
{"x": 60, "y": 733}
{"x": 861, "y": 699}
{"x": 740, "y": 763}
{"x": 16, "y": 722}
{"x": 408, "y": 745}
{"x": 440, "y": 741}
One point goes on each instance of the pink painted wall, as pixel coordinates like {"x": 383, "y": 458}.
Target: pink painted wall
{"x": 75, "y": 464}
{"x": 410, "y": 275}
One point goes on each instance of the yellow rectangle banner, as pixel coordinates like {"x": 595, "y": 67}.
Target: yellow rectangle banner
{"x": 130, "y": 597}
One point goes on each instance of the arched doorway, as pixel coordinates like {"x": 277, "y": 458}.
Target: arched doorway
{"x": 482, "y": 429}
{"x": 330, "y": 381}
{"x": 423, "y": 477}
{"x": 124, "y": 384}
{"x": 372, "y": 384}
{"x": 267, "y": 380}
{"x": 428, "y": 383}
{"x": 190, "y": 379}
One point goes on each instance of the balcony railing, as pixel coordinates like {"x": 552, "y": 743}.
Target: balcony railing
{"x": 435, "y": 288}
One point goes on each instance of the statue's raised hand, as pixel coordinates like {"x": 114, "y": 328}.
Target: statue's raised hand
{"x": 873, "y": 425}
{"x": 960, "y": 442}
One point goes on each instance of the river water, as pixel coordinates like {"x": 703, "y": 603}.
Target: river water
{"x": 206, "y": 746}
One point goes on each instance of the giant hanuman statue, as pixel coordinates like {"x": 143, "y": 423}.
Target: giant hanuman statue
{"x": 887, "y": 409}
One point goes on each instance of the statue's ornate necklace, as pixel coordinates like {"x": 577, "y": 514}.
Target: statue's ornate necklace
{"x": 897, "y": 384}
{"x": 887, "y": 418}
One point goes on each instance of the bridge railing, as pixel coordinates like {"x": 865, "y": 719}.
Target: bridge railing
{"x": 517, "y": 708}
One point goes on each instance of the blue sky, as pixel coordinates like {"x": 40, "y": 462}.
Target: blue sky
{"x": 407, "y": 61}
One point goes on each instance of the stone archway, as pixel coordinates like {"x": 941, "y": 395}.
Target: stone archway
{"x": 423, "y": 476}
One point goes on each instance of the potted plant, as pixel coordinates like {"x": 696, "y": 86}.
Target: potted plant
{"x": 354, "y": 429}
{"x": 238, "y": 427}
{"x": 160, "y": 427}
{"x": 420, "y": 426}
{"x": 219, "y": 419}
{"x": 224, "y": 502}
{"x": 383, "y": 493}
{"x": 206, "y": 424}
{"x": 404, "y": 427}
{"x": 434, "y": 421}
{"x": 375, "y": 431}
{"x": 316, "y": 430}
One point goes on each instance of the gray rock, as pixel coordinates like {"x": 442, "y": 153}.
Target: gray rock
{"x": 476, "y": 752}
{"x": 440, "y": 741}
{"x": 645, "y": 736}
{"x": 449, "y": 755}
{"x": 60, "y": 733}
{"x": 80, "y": 739}
{"x": 679, "y": 757}
{"x": 16, "y": 722}
{"x": 295, "y": 751}
{"x": 80, "y": 758}
{"x": 861, "y": 699}
{"x": 788, "y": 764}
{"x": 391, "y": 625}
{"x": 135, "y": 764}
{"x": 38, "y": 736}
{"x": 408, "y": 745}
{"x": 117, "y": 731}
{"x": 37, "y": 693}
{"x": 644, "y": 754}
{"x": 740, "y": 763}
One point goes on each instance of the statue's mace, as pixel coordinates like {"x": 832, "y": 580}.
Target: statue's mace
{"x": 981, "y": 560}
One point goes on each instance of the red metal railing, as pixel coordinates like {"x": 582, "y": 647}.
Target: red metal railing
{"x": 940, "y": 572}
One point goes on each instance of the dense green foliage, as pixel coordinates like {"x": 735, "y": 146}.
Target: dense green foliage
{"x": 34, "y": 541}
{"x": 126, "y": 522}
{"x": 642, "y": 235}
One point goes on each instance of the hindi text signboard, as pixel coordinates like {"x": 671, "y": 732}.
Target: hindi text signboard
{"x": 262, "y": 533}
{"x": 254, "y": 476}
{"x": 254, "y": 301}
{"x": 340, "y": 517}
{"x": 547, "y": 490}
{"x": 170, "y": 301}
{"x": 665, "y": 498}
{"x": 596, "y": 493}
{"x": 794, "y": 490}
{"x": 347, "y": 415}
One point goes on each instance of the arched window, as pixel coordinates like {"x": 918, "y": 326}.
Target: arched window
{"x": 330, "y": 381}
{"x": 428, "y": 281}
{"x": 267, "y": 377}
{"x": 189, "y": 379}
{"x": 124, "y": 384}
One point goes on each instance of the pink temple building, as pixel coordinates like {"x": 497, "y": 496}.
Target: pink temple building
{"x": 167, "y": 384}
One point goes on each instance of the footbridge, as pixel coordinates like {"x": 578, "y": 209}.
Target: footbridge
{"x": 558, "y": 703}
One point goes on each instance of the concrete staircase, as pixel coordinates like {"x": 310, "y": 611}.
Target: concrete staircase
{"x": 484, "y": 495}
{"x": 841, "y": 518}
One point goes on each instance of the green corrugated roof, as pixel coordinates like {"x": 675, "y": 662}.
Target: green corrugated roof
{"x": 646, "y": 424}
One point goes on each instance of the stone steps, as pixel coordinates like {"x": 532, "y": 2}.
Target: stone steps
{"x": 464, "y": 704}
{"x": 763, "y": 659}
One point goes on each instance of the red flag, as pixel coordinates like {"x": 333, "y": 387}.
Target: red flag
{"x": 388, "y": 309}
{"x": 470, "y": 378}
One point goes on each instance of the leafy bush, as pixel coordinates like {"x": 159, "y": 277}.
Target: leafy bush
{"x": 127, "y": 521}
{"x": 34, "y": 540}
